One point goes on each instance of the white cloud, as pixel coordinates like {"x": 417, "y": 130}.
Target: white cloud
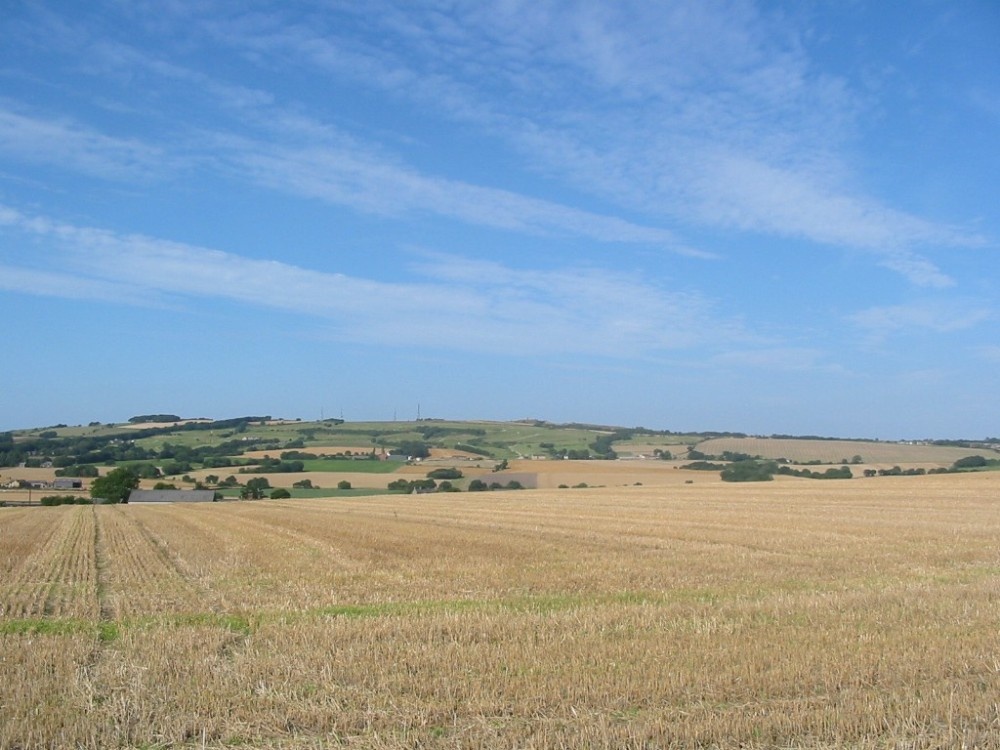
{"x": 704, "y": 112}
{"x": 63, "y": 143}
{"x": 378, "y": 185}
{"x": 457, "y": 304}
{"x": 699, "y": 113}
{"x": 936, "y": 316}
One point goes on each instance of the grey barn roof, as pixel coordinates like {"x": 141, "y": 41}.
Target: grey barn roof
{"x": 171, "y": 496}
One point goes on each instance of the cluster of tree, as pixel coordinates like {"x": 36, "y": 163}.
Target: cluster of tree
{"x": 411, "y": 448}
{"x": 85, "y": 470}
{"x": 757, "y": 470}
{"x": 749, "y": 471}
{"x": 430, "y": 485}
{"x": 987, "y": 442}
{"x": 838, "y": 472}
{"x": 601, "y": 445}
{"x": 704, "y": 466}
{"x": 448, "y": 473}
{"x": 268, "y": 465}
{"x": 116, "y": 447}
{"x": 478, "y": 485}
{"x": 974, "y": 462}
{"x": 65, "y": 500}
{"x": 298, "y": 455}
{"x": 115, "y": 486}
{"x": 896, "y": 471}
{"x": 154, "y": 418}
{"x": 413, "y": 485}
{"x": 254, "y": 488}
{"x": 962, "y": 464}
{"x": 469, "y": 448}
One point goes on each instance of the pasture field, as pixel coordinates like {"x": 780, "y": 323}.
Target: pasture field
{"x": 792, "y": 614}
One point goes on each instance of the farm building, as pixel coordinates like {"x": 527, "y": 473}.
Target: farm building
{"x": 67, "y": 484}
{"x": 171, "y": 496}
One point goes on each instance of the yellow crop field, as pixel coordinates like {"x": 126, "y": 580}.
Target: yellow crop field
{"x": 792, "y": 614}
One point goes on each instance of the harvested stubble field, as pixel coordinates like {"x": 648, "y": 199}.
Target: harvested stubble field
{"x": 858, "y": 614}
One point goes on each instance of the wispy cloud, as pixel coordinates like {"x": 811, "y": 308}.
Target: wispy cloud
{"x": 780, "y": 359}
{"x": 379, "y": 185}
{"x": 456, "y": 303}
{"x": 937, "y": 316}
{"x": 63, "y": 143}
{"x": 708, "y": 113}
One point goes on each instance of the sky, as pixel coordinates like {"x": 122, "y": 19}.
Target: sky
{"x": 759, "y": 217}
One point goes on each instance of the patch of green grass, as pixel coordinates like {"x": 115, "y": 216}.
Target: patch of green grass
{"x": 107, "y": 631}
{"x": 58, "y": 626}
{"x": 44, "y": 626}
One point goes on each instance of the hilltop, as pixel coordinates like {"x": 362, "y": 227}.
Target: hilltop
{"x": 332, "y": 456}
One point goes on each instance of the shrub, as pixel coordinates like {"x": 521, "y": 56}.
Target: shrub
{"x": 970, "y": 462}
{"x": 50, "y": 500}
{"x": 343, "y": 484}
{"x": 280, "y": 494}
{"x": 749, "y": 471}
{"x": 449, "y": 473}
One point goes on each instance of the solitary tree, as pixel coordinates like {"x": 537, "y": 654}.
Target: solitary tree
{"x": 115, "y": 486}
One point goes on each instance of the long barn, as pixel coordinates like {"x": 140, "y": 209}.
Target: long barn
{"x": 171, "y": 496}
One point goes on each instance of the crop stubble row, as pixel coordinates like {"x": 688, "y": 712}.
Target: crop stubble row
{"x": 796, "y": 614}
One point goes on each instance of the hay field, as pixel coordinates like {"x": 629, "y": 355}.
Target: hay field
{"x": 800, "y": 614}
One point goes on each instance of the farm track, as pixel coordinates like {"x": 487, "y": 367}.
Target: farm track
{"x": 101, "y": 565}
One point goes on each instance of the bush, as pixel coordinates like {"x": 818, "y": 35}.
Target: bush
{"x": 749, "y": 471}
{"x": 50, "y": 500}
{"x": 416, "y": 484}
{"x": 970, "y": 462}
{"x": 343, "y": 484}
{"x": 280, "y": 494}
{"x": 450, "y": 473}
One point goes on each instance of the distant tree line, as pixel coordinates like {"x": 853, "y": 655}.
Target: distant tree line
{"x": 117, "y": 446}
{"x": 755, "y": 470}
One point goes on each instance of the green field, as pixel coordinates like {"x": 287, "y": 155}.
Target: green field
{"x": 364, "y": 466}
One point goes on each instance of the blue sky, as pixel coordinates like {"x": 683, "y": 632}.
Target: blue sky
{"x": 687, "y": 215}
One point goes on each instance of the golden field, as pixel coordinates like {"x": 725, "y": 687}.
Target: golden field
{"x": 792, "y": 614}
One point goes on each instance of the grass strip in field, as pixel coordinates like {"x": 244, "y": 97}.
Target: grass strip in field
{"x": 59, "y": 626}
{"x": 246, "y": 624}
